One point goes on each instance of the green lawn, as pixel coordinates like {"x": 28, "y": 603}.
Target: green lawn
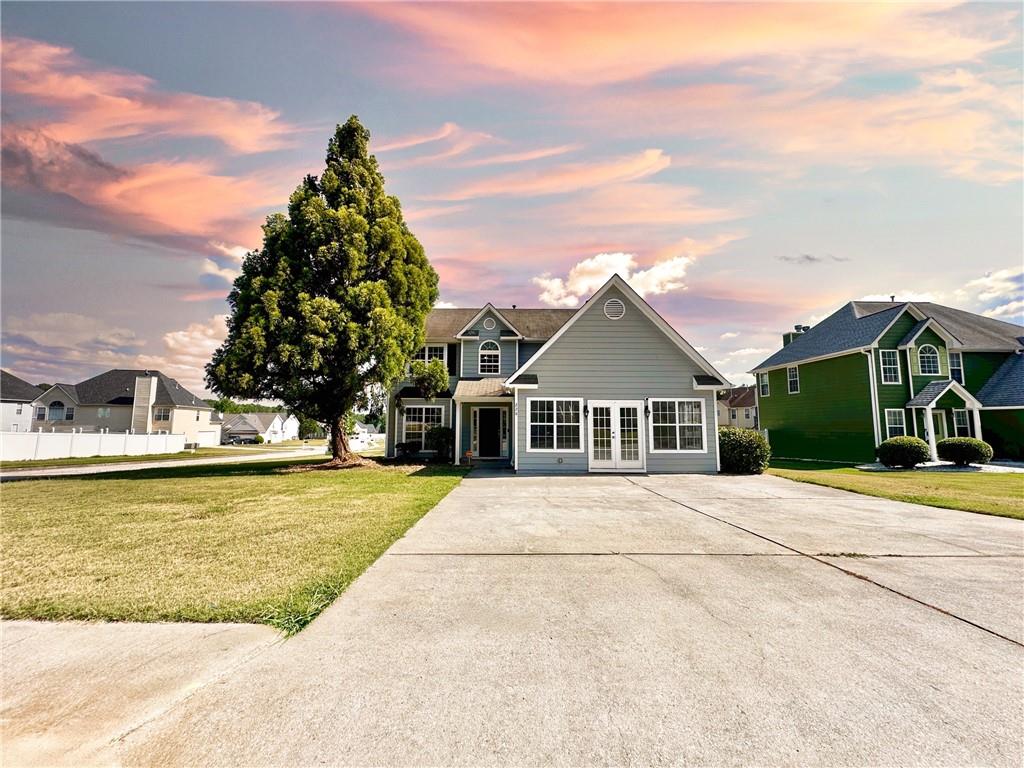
{"x": 988, "y": 493}
{"x": 247, "y": 542}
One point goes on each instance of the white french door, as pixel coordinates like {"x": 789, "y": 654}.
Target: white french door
{"x": 616, "y": 435}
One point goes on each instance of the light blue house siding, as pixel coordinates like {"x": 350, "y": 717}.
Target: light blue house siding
{"x": 471, "y": 349}
{"x": 625, "y": 359}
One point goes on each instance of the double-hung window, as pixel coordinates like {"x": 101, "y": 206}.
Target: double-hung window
{"x": 429, "y": 352}
{"x": 490, "y": 359}
{"x": 890, "y": 366}
{"x": 555, "y": 424}
{"x": 961, "y": 426}
{"x": 162, "y": 413}
{"x": 956, "y": 367}
{"x": 420, "y": 419}
{"x": 677, "y": 426}
{"x": 40, "y": 413}
{"x": 18, "y": 409}
{"x": 793, "y": 380}
{"x": 69, "y": 413}
{"x": 746, "y": 414}
{"x": 928, "y": 360}
{"x": 732, "y": 414}
{"x": 103, "y": 412}
{"x": 762, "y": 384}
{"x": 895, "y": 422}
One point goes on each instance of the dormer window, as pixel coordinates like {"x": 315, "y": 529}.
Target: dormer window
{"x": 490, "y": 359}
{"x": 928, "y": 360}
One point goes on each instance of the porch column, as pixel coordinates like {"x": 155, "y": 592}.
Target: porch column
{"x": 458, "y": 431}
{"x": 976, "y": 414}
{"x": 929, "y": 424}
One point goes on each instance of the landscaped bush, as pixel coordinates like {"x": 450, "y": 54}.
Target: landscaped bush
{"x": 905, "y": 452}
{"x": 964, "y": 450}
{"x": 441, "y": 440}
{"x": 258, "y": 439}
{"x": 743, "y": 451}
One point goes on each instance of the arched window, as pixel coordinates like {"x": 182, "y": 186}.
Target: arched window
{"x": 928, "y": 360}
{"x": 56, "y": 411}
{"x": 490, "y": 358}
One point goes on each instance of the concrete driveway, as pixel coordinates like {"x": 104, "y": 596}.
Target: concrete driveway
{"x": 640, "y": 621}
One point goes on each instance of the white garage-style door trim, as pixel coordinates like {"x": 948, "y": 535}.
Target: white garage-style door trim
{"x": 616, "y": 436}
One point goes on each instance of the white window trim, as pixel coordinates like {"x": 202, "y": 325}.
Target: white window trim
{"x": 556, "y": 449}
{"x": 789, "y": 389}
{"x": 161, "y": 408}
{"x": 405, "y": 422}
{"x": 479, "y": 357}
{"x": 767, "y": 385}
{"x": 903, "y": 420}
{"x": 444, "y": 352}
{"x": 960, "y": 367}
{"x": 882, "y": 366}
{"x": 39, "y": 408}
{"x": 676, "y": 400}
{"x": 967, "y": 423}
{"x": 938, "y": 360}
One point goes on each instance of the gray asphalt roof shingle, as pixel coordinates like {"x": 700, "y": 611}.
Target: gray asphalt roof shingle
{"x": 859, "y": 323}
{"x": 117, "y": 387}
{"x": 929, "y": 393}
{"x": 13, "y": 389}
{"x": 1006, "y": 386}
{"x": 532, "y": 323}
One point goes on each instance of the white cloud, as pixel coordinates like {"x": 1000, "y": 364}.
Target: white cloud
{"x": 66, "y": 329}
{"x": 746, "y": 351}
{"x": 902, "y": 296}
{"x": 235, "y": 252}
{"x": 1001, "y": 284}
{"x": 1012, "y": 311}
{"x": 211, "y": 267}
{"x": 729, "y": 335}
{"x": 444, "y": 305}
{"x": 663, "y": 276}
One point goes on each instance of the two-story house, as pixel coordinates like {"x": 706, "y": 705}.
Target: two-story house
{"x": 607, "y": 387}
{"x": 875, "y": 370}
{"x": 738, "y": 408}
{"x": 127, "y": 401}
{"x": 16, "y": 398}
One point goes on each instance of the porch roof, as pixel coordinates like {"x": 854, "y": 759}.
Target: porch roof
{"x": 469, "y": 389}
{"x": 936, "y": 389}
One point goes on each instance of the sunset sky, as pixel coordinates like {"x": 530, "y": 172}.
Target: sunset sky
{"x": 745, "y": 167}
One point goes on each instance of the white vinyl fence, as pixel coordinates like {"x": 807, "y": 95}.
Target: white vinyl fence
{"x": 19, "y": 446}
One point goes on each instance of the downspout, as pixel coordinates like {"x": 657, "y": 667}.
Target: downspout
{"x": 874, "y": 394}
{"x": 718, "y": 449}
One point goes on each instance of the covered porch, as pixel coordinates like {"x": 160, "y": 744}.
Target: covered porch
{"x": 945, "y": 409}
{"x": 483, "y": 422}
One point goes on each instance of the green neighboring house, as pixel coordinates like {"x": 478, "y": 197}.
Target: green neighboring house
{"x": 875, "y": 370}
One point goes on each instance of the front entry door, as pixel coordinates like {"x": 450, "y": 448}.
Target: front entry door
{"x": 939, "y": 424}
{"x": 616, "y": 435}
{"x": 489, "y": 434}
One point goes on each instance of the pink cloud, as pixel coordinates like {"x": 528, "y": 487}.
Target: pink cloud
{"x": 524, "y": 156}
{"x": 569, "y": 177}
{"x": 589, "y": 44}
{"x": 95, "y": 104}
{"x": 638, "y": 203}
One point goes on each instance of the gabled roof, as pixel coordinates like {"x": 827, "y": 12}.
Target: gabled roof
{"x": 1005, "y": 388}
{"x": 919, "y": 328}
{"x": 250, "y": 422}
{"x": 470, "y": 388}
{"x": 494, "y": 311}
{"x": 15, "y": 390}
{"x": 446, "y": 324}
{"x": 859, "y": 324}
{"x": 117, "y": 387}
{"x": 848, "y": 329}
{"x": 933, "y": 390}
{"x": 647, "y": 310}
{"x": 740, "y": 397}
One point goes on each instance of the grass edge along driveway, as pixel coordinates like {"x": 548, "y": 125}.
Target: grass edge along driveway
{"x": 249, "y": 542}
{"x": 987, "y": 493}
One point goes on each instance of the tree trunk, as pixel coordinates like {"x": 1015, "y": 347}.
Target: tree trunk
{"x": 339, "y": 440}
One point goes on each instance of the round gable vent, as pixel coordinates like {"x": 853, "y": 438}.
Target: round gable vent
{"x": 614, "y": 309}
{"x": 489, "y": 323}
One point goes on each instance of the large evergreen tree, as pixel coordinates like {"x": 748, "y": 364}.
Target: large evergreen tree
{"x": 327, "y": 314}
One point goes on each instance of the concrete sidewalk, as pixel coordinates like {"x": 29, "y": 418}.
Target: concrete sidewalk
{"x": 632, "y": 621}
{"x": 42, "y": 473}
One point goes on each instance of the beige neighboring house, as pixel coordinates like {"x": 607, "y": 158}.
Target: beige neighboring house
{"x": 738, "y": 408}
{"x": 127, "y": 401}
{"x": 272, "y": 427}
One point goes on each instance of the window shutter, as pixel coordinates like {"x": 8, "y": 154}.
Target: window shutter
{"x": 453, "y": 359}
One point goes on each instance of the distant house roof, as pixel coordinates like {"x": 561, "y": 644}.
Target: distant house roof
{"x": 117, "y": 387}
{"x": 739, "y": 397}
{"x": 858, "y": 324}
{"x": 532, "y": 323}
{"x": 257, "y": 423}
{"x": 13, "y": 389}
{"x": 1006, "y": 386}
